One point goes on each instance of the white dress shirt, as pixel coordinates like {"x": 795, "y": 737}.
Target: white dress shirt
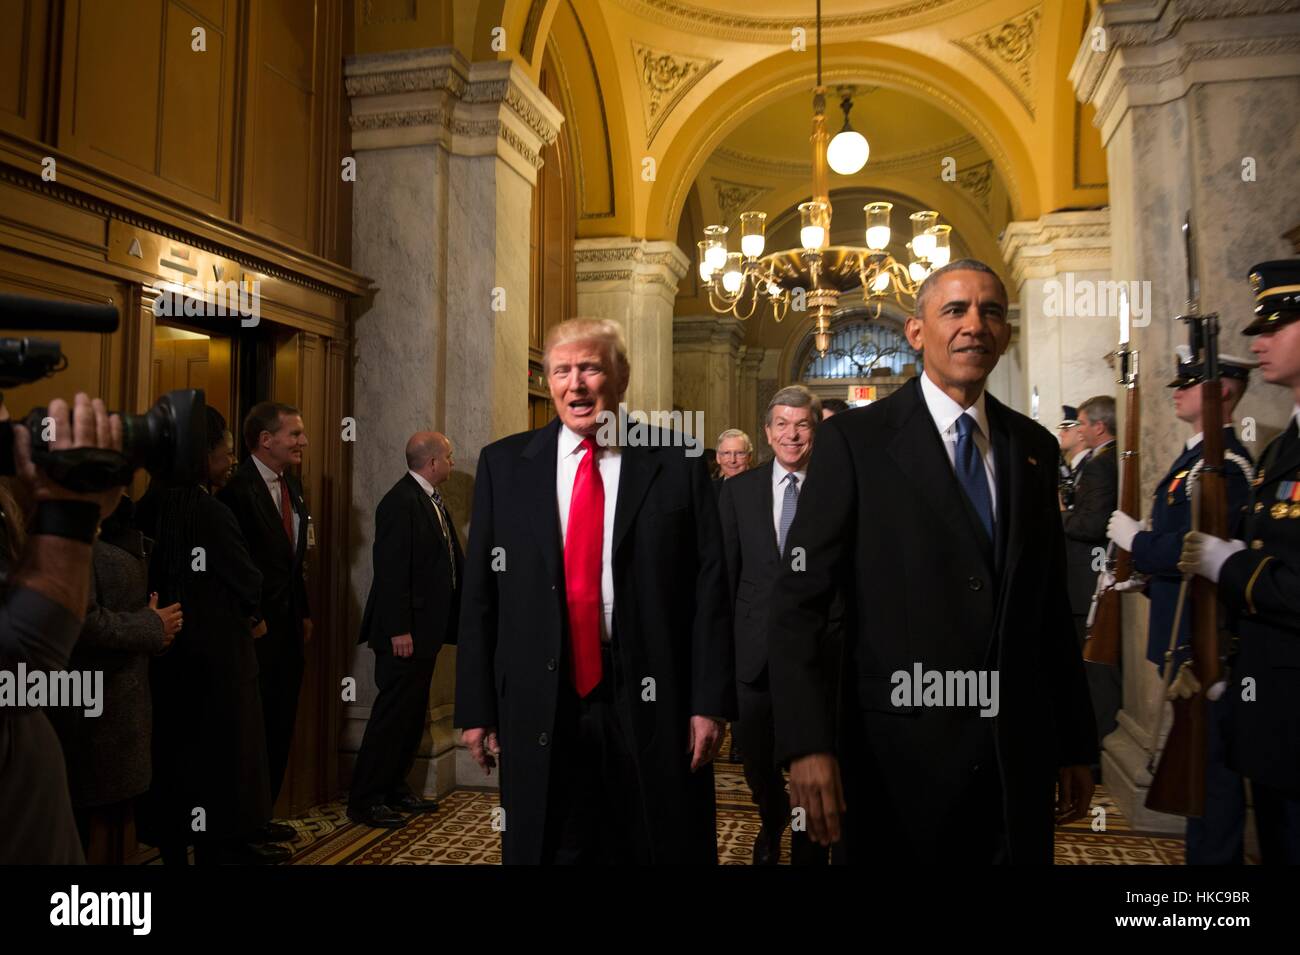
{"x": 945, "y": 413}
{"x": 567, "y": 458}
{"x": 778, "y": 491}
{"x": 273, "y": 486}
{"x": 1078, "y": 459}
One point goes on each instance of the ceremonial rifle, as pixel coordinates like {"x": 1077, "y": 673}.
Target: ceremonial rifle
{"x": 1178, "y": 785}
{"x": 1103, "y": 645}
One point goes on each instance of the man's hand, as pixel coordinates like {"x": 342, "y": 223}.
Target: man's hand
{"x": 705, "y": 740}
{"x": 260, "y": 629}
{"x": 306, "y": 630}
{"x": 86, "y": 425}
{"x": 1122, "y": 529}
{"x": 1073, "y": 793}
{"x": 816, "y": 788}
{"x": 1205, "y": 554}
{"x": 170, "y": 617}
{"x": 403, "y": 645}
{"x": 483, "y": 746}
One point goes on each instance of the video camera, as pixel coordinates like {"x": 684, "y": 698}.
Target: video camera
{"x": 168, "y": 440}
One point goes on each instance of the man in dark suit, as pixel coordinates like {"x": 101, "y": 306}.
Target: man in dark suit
{"x": 1217, "y": 837}
{"x": 1073, "y": 454}
{"x": 595, "y": 653}
{"x": 267, "y": 501}
{"x": 411, "y": 612}
{"x": 757, "y": 508}
{"x": 1096, "y": 495}
{"x": 934, "y": 510}
{"x": 1258, "y": 579}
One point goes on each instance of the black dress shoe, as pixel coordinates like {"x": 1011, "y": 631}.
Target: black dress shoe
{"x": 412, "y": 803}
{"x": 377, "y": 817}
{"x": 250, "y": 853}
{"x": 274, "y": 832}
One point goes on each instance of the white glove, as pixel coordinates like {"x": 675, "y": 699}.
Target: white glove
{"x": 1205, "y": 555}
{"x": 1122, "y": 529}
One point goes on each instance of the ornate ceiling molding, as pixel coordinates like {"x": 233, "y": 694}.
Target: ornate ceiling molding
{"x": 782, "y": 168}
{"x": 689, "y": 18}
{"x": 1008, "y": 49}
{"x": 733, "y": 198}
{"x": 664, "y": 79}
{"x": 977, "y": 182}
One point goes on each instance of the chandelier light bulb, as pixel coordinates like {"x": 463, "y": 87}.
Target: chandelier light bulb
{"x": 917, "y": 271}
{"x": 751, "y": 246}
{"x": 732, "y": 277}
{"x": 877, "y": 237}
{"x": 847, "y": 152}
{"x": 716, "y": 252}
{"x": 880, "y": 282}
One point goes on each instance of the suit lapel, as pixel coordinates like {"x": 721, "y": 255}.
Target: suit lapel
{"x": 426, "y": 504}
{"x": 918, "y": 450}
{"x": 768, "y": 503}
{"x": 538, "y": 466}
{"x": 263, "y": 502}
{"x": 636, "y": 472}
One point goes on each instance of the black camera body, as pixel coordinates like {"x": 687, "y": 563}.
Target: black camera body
{"x": 168, "y": 440}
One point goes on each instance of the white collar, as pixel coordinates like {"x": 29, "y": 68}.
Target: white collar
{"x": 945, "y": 411}
{"x": 1295, "y": 412}
{"x": 779, "y": 472}
{"x": 425, "y": 485}
{"x": 570, "y": 440}
{"x": 267, "y": 474}
{"x": 1195, "y": 439}
{"x": 1074, "y": 461}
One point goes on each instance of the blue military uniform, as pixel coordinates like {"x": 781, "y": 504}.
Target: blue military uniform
{"x": 1217, "y": 837}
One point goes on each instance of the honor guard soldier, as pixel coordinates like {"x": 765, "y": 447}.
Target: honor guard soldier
{"x": 1258, "y": 579}
{"x": 1216, "y": 838}
{"x": 1073, "y": 453}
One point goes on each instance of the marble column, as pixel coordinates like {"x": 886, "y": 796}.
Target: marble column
{"x": 706, "y": 355}
{"x": 745, "y": 413}
{"x": 1057, "y": 266}
{"x": 447, "y": 154}
{"x": 1196, "y": 103}
{"x": 634, "y": 282}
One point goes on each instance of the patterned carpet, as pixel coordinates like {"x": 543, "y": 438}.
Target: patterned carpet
{"x": 460, "y": 833}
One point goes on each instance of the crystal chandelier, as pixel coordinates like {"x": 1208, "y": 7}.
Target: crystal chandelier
{"x": 813, "y": 277}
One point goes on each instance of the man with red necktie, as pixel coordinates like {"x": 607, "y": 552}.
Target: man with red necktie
{"x": 595, "y": 659}
{"x": 267, "y": 501}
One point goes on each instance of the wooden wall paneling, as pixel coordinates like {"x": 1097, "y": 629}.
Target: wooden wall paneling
{"x": 281, "y": 187}
{"x": 23, "y": 56}
{"x": 138, "y": 102}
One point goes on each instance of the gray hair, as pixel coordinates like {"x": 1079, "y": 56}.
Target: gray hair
{"x": 1100, "y": 408}
{"x": 736, "y": 433}
{"x": 794, "y": 396}
{"x": 961, "y": 265}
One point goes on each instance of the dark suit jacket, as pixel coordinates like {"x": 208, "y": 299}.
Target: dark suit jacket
{"x": 1261, "y": 588}
{"x": 671, "y": 624}
{"x": 1096, "y": 495}
{"x": 284, "y": 584}
{"x": 753, "y": 562}
{"x": 889, "y": 522}
{"x": 412, "y": 588}
{"x": 1156, "y": 552}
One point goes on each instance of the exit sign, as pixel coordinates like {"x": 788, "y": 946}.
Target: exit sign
{"x": 862, "y": 393}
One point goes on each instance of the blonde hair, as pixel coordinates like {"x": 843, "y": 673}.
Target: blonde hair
{"x": 607, "y": 333}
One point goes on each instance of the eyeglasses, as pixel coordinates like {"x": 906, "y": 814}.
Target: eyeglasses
{"x": 733, "y": 454}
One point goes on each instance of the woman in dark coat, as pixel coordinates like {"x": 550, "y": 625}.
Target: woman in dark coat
{"x": 107, "y": 755}
{"x": 210, "y": 774}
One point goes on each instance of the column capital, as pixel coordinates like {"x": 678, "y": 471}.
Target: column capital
{"x": 708, "y": 332}
{"x": 436, "y": 97}
{"x": 1147, "y": 52}
{"x": 624, "y": 260}
{"x": 1055, "y": 243}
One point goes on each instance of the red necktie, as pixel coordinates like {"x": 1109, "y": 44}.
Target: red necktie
{"x": 582, "y": 571}
{"x": 286, "y": 510}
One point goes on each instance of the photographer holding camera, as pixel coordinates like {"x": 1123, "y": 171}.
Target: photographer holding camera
{"x": 40, "y": 619}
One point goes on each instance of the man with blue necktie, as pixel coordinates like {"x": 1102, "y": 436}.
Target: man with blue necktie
{"x": 757, "y": 509}
{"x": 934, "y": 513}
